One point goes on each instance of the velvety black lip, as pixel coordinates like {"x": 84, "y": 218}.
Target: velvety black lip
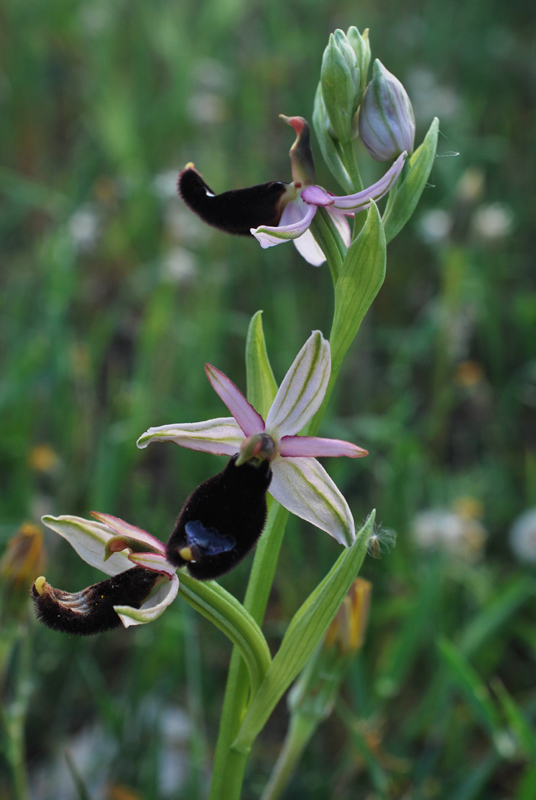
{"x": 91, "y": 610}
{"x": 235, "y": 211}
{"x": 229, "y": 512}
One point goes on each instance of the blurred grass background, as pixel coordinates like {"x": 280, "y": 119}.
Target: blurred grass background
{"x": 112, "y": 299}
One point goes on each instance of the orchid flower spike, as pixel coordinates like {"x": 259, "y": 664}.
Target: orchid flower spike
{"x": 142, "y": 585}
{"x": 277, "y": 212}
{"x": 298, "y": 480}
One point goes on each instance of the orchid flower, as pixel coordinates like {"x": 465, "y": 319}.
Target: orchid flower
{"x": 277, "y": 212}
{"x": 142, "y": 585}
{"x": 299, "y": 482}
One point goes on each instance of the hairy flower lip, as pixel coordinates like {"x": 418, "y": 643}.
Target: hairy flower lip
{"x": 299, "y": 481}
{"x": 96, "y": 608}
{"x": 90, "y": 539}
{"x": 235, "y": 211}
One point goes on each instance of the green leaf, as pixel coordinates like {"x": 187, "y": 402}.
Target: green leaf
{"x": 360, "y": 279}
{"x": 404, "y": 197}
{"x": 526, "y": 789}
{"x": 330, "y": 242}
{"x": 262, "y": 387}
{"x": 467, "y": 680}
{"x": 520, "y": 726}
{"x": 474, "y": 780}
{"x": 497, "y": 612}
{"x": 230, "y": 616}
{"x": 81, "y": 788}
{"x": 412, "y": 636}
{"x": 306, "y": 630}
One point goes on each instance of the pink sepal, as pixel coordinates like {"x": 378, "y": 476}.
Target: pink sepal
{"x": 249, "y": 420}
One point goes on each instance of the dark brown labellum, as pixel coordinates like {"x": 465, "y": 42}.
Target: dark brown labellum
{"x": 236, "y": 211}
{"x": 91, "y": 610}
{"x": 221, "y": 521}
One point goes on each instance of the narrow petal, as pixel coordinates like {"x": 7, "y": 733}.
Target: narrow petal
{"x": 221, "y": 436}
{"x": 303, "y": 388}
{"x": 122, "y": 528}
{"x": 250, "y": 421}
{"x": 317, "y": 446}
{"x": 152, "y": 608}
{"x": 316, "y": 196}
{"x": 309, "y": 249}
{"x": 295, "y": 220}
{"x": 89, "y": 539}
{"x": 361, "y": 200}
{"x": 304, "y": 487}
{"x": 154, "y": 562}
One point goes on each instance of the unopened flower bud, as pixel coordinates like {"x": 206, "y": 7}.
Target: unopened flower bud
{"x": 361, "y": 46}
{"x": 341, "y": 83}
{"x": 386, "y": 119}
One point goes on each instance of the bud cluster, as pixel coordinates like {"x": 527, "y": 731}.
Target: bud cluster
{"x": 343, "y": 79}
{"x": 379, "y": 112}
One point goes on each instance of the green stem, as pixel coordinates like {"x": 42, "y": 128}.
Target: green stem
{"x": 224, "y": 611}
{"x": 229, "y": 764}
{"x": 300, "y": 732}
{"x": 329, "y": 239}
{"x": 347, "y": 155}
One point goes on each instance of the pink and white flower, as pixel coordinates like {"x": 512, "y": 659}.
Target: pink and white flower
{"x": 299, "y": 482}
{"x": 278, "y": 212}
{"x": 306, "y": 199}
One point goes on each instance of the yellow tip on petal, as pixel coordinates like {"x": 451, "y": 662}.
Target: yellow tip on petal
{"x": 190, "y": 165}
{"x": 186, "y": 554}
{"x": 40, "y": 584}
